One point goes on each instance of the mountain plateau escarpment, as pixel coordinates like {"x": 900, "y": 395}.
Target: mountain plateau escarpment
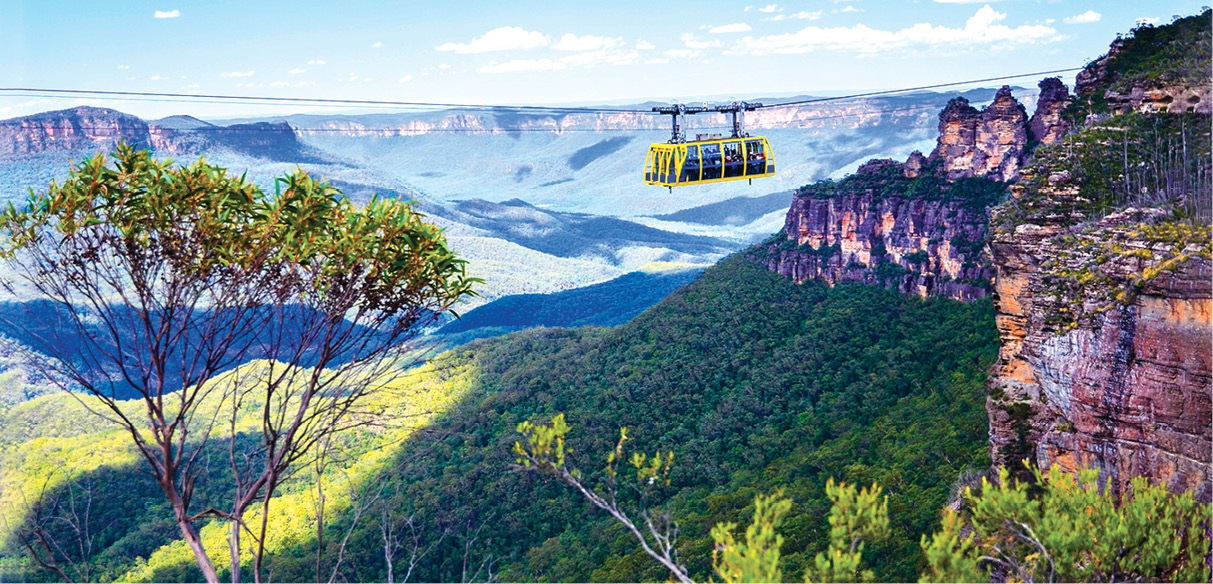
{"x": 1103, "y": 285}
{"x": 1099, "y": 259}
{"x": 918, "y": 226}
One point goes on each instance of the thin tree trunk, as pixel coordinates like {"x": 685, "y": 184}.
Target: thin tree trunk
{"x": 195, "y": 543}
{"x": 234, "y": 547}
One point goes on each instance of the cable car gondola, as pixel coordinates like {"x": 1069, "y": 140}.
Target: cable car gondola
{"x": 711, "y": 158}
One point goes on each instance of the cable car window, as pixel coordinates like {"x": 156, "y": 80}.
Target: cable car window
{"x": 734, "y": 165}
{"x": 711, "y": 161}
{"x": 690, "y": 168}
{"x": 756, "y": 158}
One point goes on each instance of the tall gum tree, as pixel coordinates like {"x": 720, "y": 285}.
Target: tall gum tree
{"x": 167, "y": 281}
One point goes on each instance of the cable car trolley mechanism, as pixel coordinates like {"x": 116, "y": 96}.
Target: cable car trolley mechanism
{"x": 708, "y": 158}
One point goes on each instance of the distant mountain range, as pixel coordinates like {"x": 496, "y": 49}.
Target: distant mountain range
{"x": 564, "y": 187}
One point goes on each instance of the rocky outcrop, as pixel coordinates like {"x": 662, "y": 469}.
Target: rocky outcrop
{"x": 860, "y": 233}
{"x": 1153, "y": 69}
{"x": 1048, "y": 124}
{"x": 988, "y": 143}
{"x": 1112, "y": 372}
{"x": 90, "y": 129}
{"x": 79, "y": 128}
{"x": 906, "y": 225}
{"x": 268, "y": 140}
{"x": 1141, "y": 95}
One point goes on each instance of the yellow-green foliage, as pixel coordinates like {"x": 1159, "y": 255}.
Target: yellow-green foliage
{"x": 949, "y": 554}
{"x": 757, "y": 558}
{"x": 407, "y": 401}
{"x": 1074, "y": 531}
{"x": 1084, "y": 275}
{"x": 856, "y": 517}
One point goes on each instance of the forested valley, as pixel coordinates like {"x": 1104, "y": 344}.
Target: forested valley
{"x": 754, "y": 382}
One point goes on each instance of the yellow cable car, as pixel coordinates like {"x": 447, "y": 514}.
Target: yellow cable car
{"x": 710, "y": 159}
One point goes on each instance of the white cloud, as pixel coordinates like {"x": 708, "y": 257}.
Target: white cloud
{"x": 522, "y": 65}
{"x": 506, "y": 38}
{"x": 980, "y": 29}
{"x": 735, "y": 27}
{"x": 406, "y": 78}
{"x": 965, "y": 1}
{"x": 377, "y": 45}
{"x": 572, "y": 42}
{"x": 315, "y": 62}
{"x": 802, "y": 15}
{"x": 297, "y": 70}
{"x": 582, "y": 59}
{"x": 681, "y": 53}
{"x": 238, "y": 74}
{"x": 1147, "y": 20}
{"x": 155, "y": 78}
{"x": 770, "y": 8}
{"x": 169, "y": 14}
{"x": 691, "y": 42}
{"x": 124, "y": 67}
{"x": 645, "y": 46}
{"x": 1084, "y": 18}
{"x": 850, "y": 8}
{"x": 444, "y": 66}
{"x": 24, "y": 104}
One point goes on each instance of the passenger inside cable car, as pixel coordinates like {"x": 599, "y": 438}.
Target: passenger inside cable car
{"x": 713, "y": 160}
{"x": 690, "y": 168}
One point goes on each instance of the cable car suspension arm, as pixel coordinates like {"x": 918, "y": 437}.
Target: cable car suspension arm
{"x": 736, "y": 108}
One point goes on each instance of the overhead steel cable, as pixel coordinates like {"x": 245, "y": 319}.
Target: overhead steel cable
{"x": 247, "y": 99}
{"x": 239, "y": 127}
{"x": 920, "y": 88}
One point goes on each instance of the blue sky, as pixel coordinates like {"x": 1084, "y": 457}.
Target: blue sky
{"x": 534, "y": 52}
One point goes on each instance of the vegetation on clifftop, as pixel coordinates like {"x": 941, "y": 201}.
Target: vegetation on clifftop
{"x": 887, "y": 179}
{"x": 1152, "y": 56}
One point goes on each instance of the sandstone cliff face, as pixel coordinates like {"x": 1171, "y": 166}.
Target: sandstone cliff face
{"x": 918, "y": 246}
{"x": 1125, "y": 388}
{"x": 99, "y": 129}
{"x": 988, "y": 143}
{"x": 873, "y": 229}
{"x": 1047, "y": 124}
{"x": 80, "y": 128}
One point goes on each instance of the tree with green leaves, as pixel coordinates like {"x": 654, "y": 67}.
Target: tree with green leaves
{"x": 855, "y": 516}
{"x": 757, "y": 558}
{"x": 1074, "y": 530}
{"x": 544, "y": 452}
{"x": 165, "y": 282}
{"x": 1062, "y": 529}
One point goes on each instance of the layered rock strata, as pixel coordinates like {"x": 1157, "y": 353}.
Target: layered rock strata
{"x": 1115, "y": 375}
{"x": 81, "y": 128}
{"x": 1048, "y": 124}
{"x": 918, "y": 246}
{"x": 988, "y": 143}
